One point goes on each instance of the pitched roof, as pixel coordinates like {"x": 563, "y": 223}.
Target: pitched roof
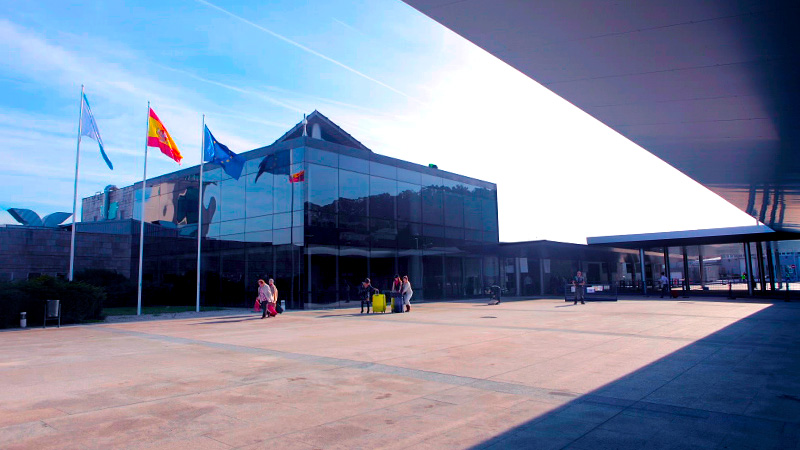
{"x": 330, "y": 132}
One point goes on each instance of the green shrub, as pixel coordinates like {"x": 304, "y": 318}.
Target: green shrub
{"x": 80, "y": 301}
{"x": 120, "y": 291}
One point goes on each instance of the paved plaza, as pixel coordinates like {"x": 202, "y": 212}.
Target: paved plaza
{"x": 536, "y": 374}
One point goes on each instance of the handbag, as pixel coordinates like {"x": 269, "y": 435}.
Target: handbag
{"x": 278, "y": 308}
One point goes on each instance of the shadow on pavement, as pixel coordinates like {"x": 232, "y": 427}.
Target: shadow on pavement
{"x": 736, "y": 388}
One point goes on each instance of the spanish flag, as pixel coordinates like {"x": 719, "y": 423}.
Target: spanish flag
{"x": 297, "y": 177}
{"x": 158, "y": 136}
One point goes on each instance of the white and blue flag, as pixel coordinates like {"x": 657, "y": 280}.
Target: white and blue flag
{"x": 89, "y": 129}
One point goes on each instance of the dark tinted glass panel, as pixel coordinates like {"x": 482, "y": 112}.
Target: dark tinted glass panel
{"x": 409, "y": 176}
{"x": 433, "y": 236}
{"x": 473, "y": 235}
{"x": 299, "y": 187}
{"x": 353, "y": 193}
{"x": 431, "y": 180}
{"x": 433, "y": 280}
{"x": 409, "y": 235}
{"x": 409, "y": 202}
{"x": 383, "y": 233}
{"x": 454, "y": 282}
{"x": 323, "y": 188}
{"x": 212, "y": 175}
{"x": 322, "y": 275}
{"x": 472, "y": 212}
{"x": 489, "y": 213}
{"x": 432, "y": 205}
{"x": 353, "y": 230}
{"x": 259, "y": 194}
{"x": 382, "y": 193}
{"x": 354, "y": 164}
{"x": 453, "y": 209}
{"x": 321, "y": 228}
{"x": 382, "y": 170}
{"x": 251, "y": 165}
{"x": 454, "y": 233}
{"x": 317, "y": 156}
{"x": 282, "y": 159}
{"x": 231, "y": 227}
{"x": 233, "y": 199}
{"x": 297, "y": 236}
{"x": 382, "y": 268}
{"x": 352, "y": 271}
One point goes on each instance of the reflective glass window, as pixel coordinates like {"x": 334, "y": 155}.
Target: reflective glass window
{"x": 258, "y": 236}
{"x": 354, "y": 164}
{"x": 260, "y": 223}
{"x": 431, "y": 180}
{"x": 233, "y": 199}
{"x": 489, "y": 213}
{"x": 211, "y": 201}
{"x": 212, "y": 175}
{"x": 298, "y": 155}
{"x": 282, "y": 220}
{"x": 473, "y": 235}
{"x": 282, "y": 193}
{"x": 353, "y": 230}
{"x": 472, "y": 212}
{"x": 323, "y": 188}
{"x": 317, "y": 156}
{"x": 409, "y": 176}
{"x": 299, "y": 187}
{"x": 454, "y": 233}
{"x": 453, "y": 209}
{"x": 409, "y": 235}
{"x": 231, "y": 227}
{"x": 409, "y": 202}
{"x": 383, "y": 233}
{"x": 382, "y": 193}
{"x": 353, "y": 193}
{"x": 282, "y": 236}
{"x": 322, "y": 228}
{"x": 432, "y": 211}
{"x": 251, "y": 165}
{"x": 259, "y": 194}
{"x": 382, "y": 170}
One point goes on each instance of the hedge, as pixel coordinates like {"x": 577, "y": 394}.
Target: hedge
{"x": 80, "y": 302}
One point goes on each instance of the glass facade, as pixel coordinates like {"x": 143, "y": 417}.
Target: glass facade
{"x": 354, "y": 215}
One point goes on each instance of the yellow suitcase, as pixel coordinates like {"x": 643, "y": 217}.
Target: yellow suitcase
{"x": 379, "y": 303}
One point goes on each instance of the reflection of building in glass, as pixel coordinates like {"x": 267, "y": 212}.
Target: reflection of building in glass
{"x": 356, "y": 214}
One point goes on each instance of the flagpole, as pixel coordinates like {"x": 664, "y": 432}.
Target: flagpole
{"x": 200, "y": 209}
{"x": 75, "y": 192}
{"x": 141, "y": 222}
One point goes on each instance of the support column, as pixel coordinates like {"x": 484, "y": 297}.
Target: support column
{"x": 517, "y": 276}
{"x": 771, "y": 266}
{"x": 686, "y": 285}
{"x": 644, "y": 277}
{"x": 748, "y": 264}
{"x": 541, "y": 276}
{"x": 666, "y": 269}
{"x": 702, "y": 268}
{"x": 760, "y": 257}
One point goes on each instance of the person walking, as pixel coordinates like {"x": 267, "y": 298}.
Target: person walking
{"x": 365, "y": 292}
{"x": 264, "y": 298}
{"x": 274, "y": 296}
{"x": 580, "y": 288}
{"x": 406, "y": 292}
{"x": 664, "y": 285}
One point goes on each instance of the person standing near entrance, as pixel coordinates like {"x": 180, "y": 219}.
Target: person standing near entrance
{"x": 274, "y": 295}
{"x": 580, "y": 288}
{"x": 365, "y": 292}
{"x": 406, "y": 292}
{"x": 664, "y": 285}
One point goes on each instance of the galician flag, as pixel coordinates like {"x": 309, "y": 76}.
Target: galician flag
{"x": 158, "y": 136}
{"x": 89, "y": 129}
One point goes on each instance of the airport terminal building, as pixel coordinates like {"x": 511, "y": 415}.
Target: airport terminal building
{"x": 353, "y": 213}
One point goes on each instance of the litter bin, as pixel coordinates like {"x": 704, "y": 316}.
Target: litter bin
{"x": 283, "y": 305}
{"x": 23, "y": 319}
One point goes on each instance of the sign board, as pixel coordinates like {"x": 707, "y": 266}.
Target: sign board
{"x": 590, "y": 289}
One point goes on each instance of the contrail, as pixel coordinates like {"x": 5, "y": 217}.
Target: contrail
{"x": 304, "y": 48}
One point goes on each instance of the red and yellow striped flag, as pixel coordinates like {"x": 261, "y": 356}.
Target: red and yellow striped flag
{"x": 158, "y": 136}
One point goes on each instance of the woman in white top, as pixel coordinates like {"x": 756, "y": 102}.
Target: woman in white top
{"x": 274, "y": 292}
{"x": 406, "y": 292}
{"x": 265, "y": 297}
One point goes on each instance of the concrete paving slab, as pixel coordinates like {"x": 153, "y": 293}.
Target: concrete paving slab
{"x": 638, "y": 373}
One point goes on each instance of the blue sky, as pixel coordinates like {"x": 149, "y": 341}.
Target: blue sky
{"x": 396, "y": 80}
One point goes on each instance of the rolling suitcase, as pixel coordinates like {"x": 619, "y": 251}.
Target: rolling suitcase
{"x": 379, "y": 303}
{"x": 397, "y": 304}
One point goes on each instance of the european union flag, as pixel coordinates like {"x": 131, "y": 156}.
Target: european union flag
{"x": 215, "y": 152}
